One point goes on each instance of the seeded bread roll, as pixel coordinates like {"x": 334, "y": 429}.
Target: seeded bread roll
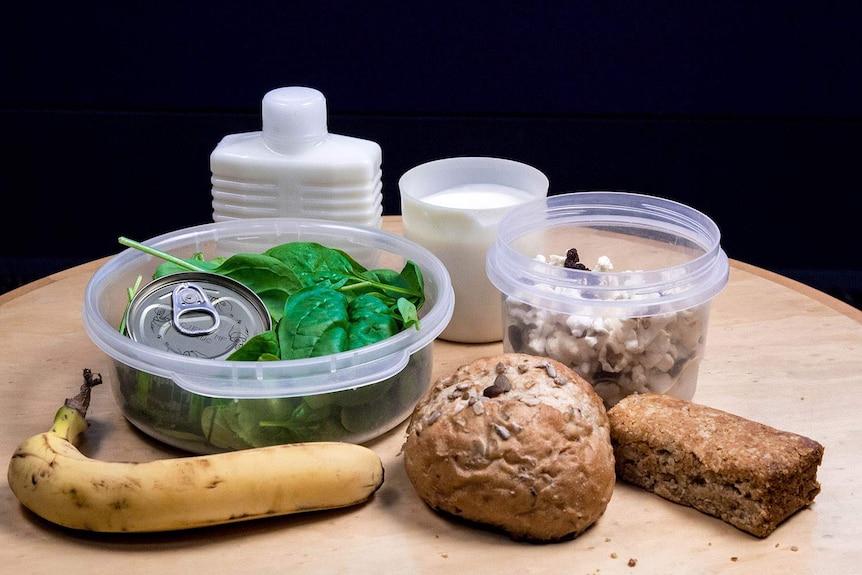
{"x": 745, "y": 473}
{"x": 517, "y": 442}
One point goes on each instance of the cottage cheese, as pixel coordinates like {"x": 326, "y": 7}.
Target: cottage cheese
{"x": 619, "y": 356}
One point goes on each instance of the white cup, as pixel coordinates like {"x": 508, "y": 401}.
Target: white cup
{"x": 451, "y": 207}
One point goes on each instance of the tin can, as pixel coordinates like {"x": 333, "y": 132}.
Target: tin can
{"x": 196, "y": 314}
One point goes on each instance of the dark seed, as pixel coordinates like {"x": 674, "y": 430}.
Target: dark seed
{"x": 493, "y": 391}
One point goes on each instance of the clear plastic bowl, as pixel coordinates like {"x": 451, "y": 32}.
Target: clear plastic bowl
{"x": 640, "y": 327}
{"x": 207, "y": 406}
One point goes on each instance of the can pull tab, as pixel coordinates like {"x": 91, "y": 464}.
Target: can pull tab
{"x": 189, "y": 298}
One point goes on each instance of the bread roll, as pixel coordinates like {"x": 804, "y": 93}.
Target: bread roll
{"x": 745, "y": 473}
{"x": 517, "y": 442}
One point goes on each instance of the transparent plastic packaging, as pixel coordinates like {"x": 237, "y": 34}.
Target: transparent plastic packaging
{"x": 638, "y": 327}
{"x": 210, "y": 405}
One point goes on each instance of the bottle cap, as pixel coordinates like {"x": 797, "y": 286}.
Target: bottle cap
{"x": 294, "y": 119}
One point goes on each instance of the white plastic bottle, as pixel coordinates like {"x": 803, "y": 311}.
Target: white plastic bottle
{"x": 295, "y": 168}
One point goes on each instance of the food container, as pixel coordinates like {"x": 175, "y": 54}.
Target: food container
{"x": 636, "y": 320}
{"x": 209, "y": 405}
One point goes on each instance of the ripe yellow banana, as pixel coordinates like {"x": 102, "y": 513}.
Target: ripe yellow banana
{"x": 51, "y": 477}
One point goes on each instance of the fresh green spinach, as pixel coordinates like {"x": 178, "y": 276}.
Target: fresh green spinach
{"x": 320, "y": 299}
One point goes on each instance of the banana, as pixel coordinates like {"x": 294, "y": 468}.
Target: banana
{"x": 52, "y": 478}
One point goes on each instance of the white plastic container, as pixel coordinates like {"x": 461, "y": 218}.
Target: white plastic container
{"x": 295, "y": 168}
{"x": 639, "y": 326}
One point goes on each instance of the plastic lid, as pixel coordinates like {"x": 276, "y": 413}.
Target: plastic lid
{"x": 294, "y": 119}
{"x": 663, "y": 225}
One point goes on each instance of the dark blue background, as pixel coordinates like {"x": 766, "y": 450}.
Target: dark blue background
{"x": 750, "y": 112}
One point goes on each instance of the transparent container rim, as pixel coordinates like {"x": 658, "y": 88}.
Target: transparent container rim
{"x": 617, "y": 294}
{"x": 267, "y": 379}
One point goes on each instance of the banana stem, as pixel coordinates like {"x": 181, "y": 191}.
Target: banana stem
{"x": 70, "y": 420}
{"x": 81, "y": 402}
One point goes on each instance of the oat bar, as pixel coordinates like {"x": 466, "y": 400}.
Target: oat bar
{"x": 748, "y": 474}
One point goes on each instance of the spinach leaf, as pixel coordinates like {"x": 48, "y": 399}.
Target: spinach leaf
{"x": 256, "y": 422}
{"x": 406, "y": 293}
{"x": 314, "y": 323}
{"x": 412, "y": 276}
{"x": 319, "y": 265}
{"x": 401, "y": 296}
{"x": 408, "y": 313}
{"x": 271, "y": 279}
{"x": 261, "y": 347}
{"x": 386, "y": 281}
{"x": 370, "y": 321}
{"x": 313, "y": 263}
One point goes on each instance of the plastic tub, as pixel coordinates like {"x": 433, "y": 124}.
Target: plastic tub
{"x": 206, "y": 406}
{"x": 638, "y": 327}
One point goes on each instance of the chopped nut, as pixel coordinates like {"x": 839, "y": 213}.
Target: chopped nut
{"x": 500, "y": 367}
{"x": 502, "y": 431}
{"x": 478, "y": 408}
{"x": 432, "y": 417}
{"x": 522, "y": 368}
{"x": 503, "y": 382}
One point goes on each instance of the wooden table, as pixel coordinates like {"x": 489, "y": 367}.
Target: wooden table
{"x": 777, "y": 352}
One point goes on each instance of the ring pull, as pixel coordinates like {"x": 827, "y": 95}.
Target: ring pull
{"x": 189, "y": 298}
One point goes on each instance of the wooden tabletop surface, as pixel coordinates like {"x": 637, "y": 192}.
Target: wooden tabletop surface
{"x": 777, "y": 352}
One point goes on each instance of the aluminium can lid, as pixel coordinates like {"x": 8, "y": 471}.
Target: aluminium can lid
{"x": 196, "y": 314}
